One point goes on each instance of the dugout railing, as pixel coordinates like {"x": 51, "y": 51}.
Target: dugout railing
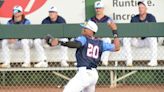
{"x": 73, "y": 30}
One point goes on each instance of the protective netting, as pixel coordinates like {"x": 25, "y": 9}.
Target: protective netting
{"x": 115, "y": 76}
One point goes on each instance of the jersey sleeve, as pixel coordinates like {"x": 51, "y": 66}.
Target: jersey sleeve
{"x": 108, "y": 46}
{"x": 109, "y": 20}
{"x": 81, "y": 39}
{"x": 132, "y": 20}
{"x": 43, "y": 21}
{"x": 27, "y": 22}
{"x": 61, "y": 19}
{"x": 152, "y": 18}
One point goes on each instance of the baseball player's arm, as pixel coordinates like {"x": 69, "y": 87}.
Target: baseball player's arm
{"x": 112, "y": 25}
{"x": 115, "y": 46}
{"x": 116, "y": 43}
{"x": 71, "y": 44}
{"x": 53, "y": 42}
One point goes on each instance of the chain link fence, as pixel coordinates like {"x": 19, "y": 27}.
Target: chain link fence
{"x": 115, "y": 77}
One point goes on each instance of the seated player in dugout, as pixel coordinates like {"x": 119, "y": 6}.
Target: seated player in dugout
{"x": 100, "y": 17}
{"x": 151, "y": 42}
{"x": 53, "y": 18}
{"x": 17, "y": 18}
{"x": 88, "y": 54}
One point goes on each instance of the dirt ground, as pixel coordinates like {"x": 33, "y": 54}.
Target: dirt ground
{"x": 142, "y": 88}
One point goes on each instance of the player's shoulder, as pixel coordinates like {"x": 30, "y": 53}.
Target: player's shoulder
{"x": 81, "y": 37}
{"x": 136, "y": 17}
{"x": 108, "y": 17}
{"x": 102, "y": 20}
{"x": 10, "y": 21}
{"x": 105, "y": 16}
{"x": 26, "y": 21}
{"x": 46, "y": 20}
{"x": 93, "y": 18}
{"x": 60, "y": 19}
{"x": 98, "y": 39}
{"x": 149, "y": 15}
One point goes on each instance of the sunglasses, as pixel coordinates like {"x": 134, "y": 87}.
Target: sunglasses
{"x": 16, "y": 11}
{"x": 98, "y": 8}
{"x": 52, "y": 12}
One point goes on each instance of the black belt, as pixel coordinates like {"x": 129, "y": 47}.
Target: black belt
{"x": 89, "y": 68}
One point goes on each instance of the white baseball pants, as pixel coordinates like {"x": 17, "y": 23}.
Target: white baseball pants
{"x": 84, "y": 81}
{"x": 150, "y": 42}
{"x": 6, "y": 51}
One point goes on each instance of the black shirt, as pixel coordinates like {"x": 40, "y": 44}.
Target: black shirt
{"x": 58, "y": 20}
{"x": 149, "y": 18}
{"x": 105, "y": 19}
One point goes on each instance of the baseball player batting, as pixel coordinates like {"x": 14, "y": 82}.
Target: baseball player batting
{"x": 88, "y": 53}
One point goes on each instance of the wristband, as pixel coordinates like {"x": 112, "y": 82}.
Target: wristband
{"x": 115, "y": 35}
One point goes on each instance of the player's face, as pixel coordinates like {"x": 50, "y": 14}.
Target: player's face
{"x": 142, "y": 9}
{"x": 53, "y": 15}
{"x": 18, "y": 16}
{"x": 87, "y": 32}
{"x": 99, "y": 11}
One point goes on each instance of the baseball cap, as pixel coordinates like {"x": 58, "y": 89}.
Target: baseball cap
{"x": 143, "y": 2}
{"x": 17, "y": 9}
{"x": 53, "y": 9}
{"x": 99, "y": 4}
{"x": 90, "y": 25}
